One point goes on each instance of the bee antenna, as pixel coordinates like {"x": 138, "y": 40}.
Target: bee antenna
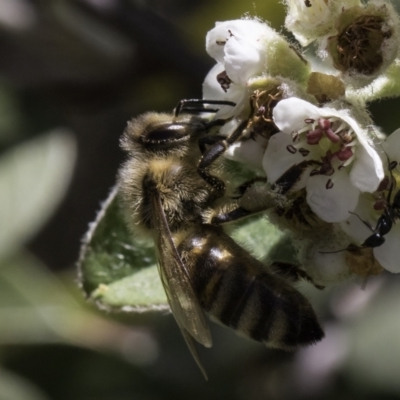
{"x": 199, "y": 105}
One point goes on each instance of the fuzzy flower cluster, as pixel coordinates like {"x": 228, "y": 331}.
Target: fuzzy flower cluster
{"x": 308, "y": 129}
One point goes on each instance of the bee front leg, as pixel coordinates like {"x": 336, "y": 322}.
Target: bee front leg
{"x": 207, "y": 141}
{"x": 212, "y": 153}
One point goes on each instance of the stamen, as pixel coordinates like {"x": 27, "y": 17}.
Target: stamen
{"x": 383, "y": 185}
{"x": 315, "y": 172}
{"x": 329, "y": 184}
{"x": 224, "y": 80}
{"x": 349, "y": 161}
{"x": 344, "y": 153}
{"x": 313, "y": 137}
{"x": 341, "y": 127}
{"x": 330, "y": 171}
{"x": 332, "y": 136}
{"x": 346, "y": 136}
{"x": 326, "y": 169}
{"x": 261, "y": 110}
{"x": 291, "y": 149}
{"x": 351, "y": 144}
{"x": 304, "y": 152}
{"x": 380, "y": 204}
{"x": 309, "y": 121}
{"x": 324, "y": 123}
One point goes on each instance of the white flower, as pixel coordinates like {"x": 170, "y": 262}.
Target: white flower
{"x": 391, "y": 147}
{"x": 365, "y": 44}
{"x": 212, "y": 90}
{"x": 316, "y": 251}
{"x": 363, "y": 225}
{"x": 388, "y": 255}
{"x": 372, "y": 211}
{"x": 240, "y": 46}
{"x": 311, "y": 20}
{"x": 334, "y": 151}
{"x": 247, "y": 52}
{"x": 308, "y": 19}
{"x": 249, "y": 152}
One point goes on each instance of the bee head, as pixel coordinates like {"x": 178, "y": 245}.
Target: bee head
{"x": 155, "y": 132}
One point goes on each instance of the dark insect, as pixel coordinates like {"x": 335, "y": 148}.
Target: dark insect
{"x": 390, "y": 213}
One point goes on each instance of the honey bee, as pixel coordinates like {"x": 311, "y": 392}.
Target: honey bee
{"x": 203, "y": 270}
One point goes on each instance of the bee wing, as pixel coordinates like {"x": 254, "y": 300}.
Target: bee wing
{"x": 182, "y": 298}
{"x": 193, "y": 350}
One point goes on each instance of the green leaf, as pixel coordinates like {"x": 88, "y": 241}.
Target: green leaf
{"x": 116, "y": 270}
{"x": 120, "y": 273}
{"x": 14, "y": 387}
{"x": 33, "y": 179}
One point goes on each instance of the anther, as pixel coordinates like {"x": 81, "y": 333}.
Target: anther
{"x": 344, "y": 153}
{"x": 304, "y": 152}
{"x": 324, "y": 123}
{"x": 329, "y": 184}
{"x": 392, "y": 165}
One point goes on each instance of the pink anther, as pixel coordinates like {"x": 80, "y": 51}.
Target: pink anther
{"x": 344, "y": 153}
{"x": 313, "y": 137}
{"x": 332, "y": 136}
{"x": 324, "y": 123}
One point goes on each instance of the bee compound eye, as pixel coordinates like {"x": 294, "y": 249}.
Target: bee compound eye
{"x": 165, "y": 133}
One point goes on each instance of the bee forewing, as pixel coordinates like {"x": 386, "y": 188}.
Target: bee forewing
{"x": 182, "y": 298}
{"x": 192, "y": 347}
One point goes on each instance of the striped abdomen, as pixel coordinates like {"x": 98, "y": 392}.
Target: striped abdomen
{"x": 238, "y": 290}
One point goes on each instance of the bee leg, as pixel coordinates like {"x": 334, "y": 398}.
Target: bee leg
{"x": 293, "y": 273}
{"x": 209, "y": 141}
{"x": 293, "y": 175}
{"x": 252, "y": 199}
{"x": 232, "y": 215}
{"x": 242, "y": 189}
{"x": 214, "y": 152}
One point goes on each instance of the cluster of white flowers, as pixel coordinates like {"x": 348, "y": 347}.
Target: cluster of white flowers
{"x": 346, "y": 169}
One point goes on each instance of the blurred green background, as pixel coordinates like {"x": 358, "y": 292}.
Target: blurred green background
{"x": 72, "y": 72}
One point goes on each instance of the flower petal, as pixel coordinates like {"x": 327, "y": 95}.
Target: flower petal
{"x": 290, "y": 114}
{"x": 392, "y": 146}
{"x": 212, "y": 91}
{"x": 277, "y": 159}
{"x": 250, "y": 152}
{"x": 249, "y": 29}
{"x": 388, "y": 255}
{"x": 242, "y": 61}
{"x": 334, "y": 204}
{"x": 353, "y": 226}
{"x": 367, "y": 169}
